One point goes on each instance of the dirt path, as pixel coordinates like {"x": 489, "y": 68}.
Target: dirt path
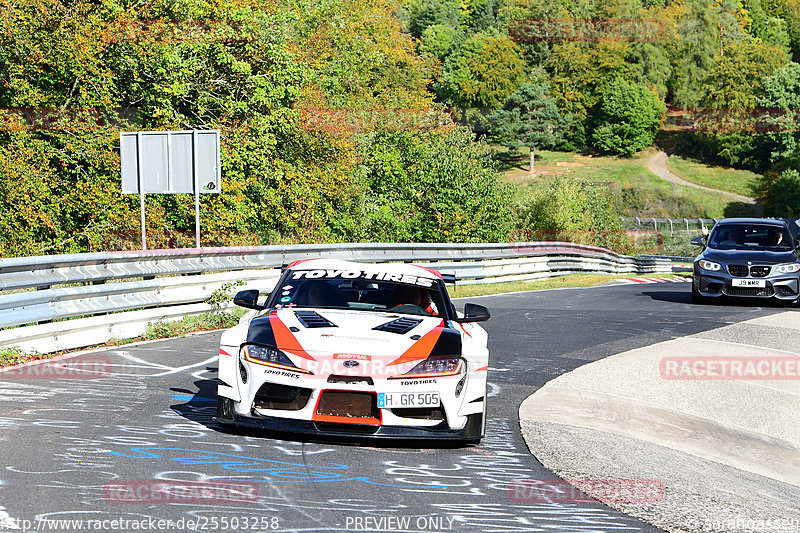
{"x": 658, "y": 166}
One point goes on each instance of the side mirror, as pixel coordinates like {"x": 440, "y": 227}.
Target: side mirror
{"x": 698, "y": 240}
{"x": 248, "y": 299}
{"x": 474, "y": 313}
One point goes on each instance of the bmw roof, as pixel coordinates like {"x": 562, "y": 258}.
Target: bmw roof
{"x": 768, "y": 221}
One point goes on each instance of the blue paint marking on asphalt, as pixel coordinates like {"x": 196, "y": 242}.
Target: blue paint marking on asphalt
{"x": 191, "y": 398}
{"x": 279, "y": 471}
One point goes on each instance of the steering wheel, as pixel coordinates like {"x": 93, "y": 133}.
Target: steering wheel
{"x": 409, "y": 309}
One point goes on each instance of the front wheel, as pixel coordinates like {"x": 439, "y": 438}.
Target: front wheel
{"x": 698, "y": 298}
{"x": 224, "y": 409}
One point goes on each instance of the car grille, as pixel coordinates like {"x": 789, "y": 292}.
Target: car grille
{"x": 422, "y": 413}
{"x": 740, "y": 271}
{"x": 350, "y": 380}
{"x": 276, "y": 396}
{"x": 783, "y": 290}
{"x": 348, "y": 404}
{"x": 749, "y": 291}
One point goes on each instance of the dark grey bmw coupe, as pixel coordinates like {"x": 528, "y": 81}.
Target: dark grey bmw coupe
{"x": 747, "y": 258}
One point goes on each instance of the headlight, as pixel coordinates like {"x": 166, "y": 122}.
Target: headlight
{"x": 438, "y": 366}
{"x": 788, "y": 268}
{"x": 709, "y": 265}
{"x": 266, "y": 355}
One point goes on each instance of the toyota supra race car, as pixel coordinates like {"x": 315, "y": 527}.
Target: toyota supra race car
{"x": 358, "y": 350}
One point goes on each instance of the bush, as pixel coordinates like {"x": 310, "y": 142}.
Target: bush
{"x": 438, "y": 186}
{"x": 783, "y": 195}
{"x": 628, "y": 118}
{"x": 570, "y": 210}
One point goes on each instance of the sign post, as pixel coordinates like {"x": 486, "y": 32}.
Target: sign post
{"x": 170, "y": 162}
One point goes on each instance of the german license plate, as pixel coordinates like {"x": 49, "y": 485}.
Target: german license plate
{"x": 395, "y": 400}
{"x": 757, "y": 283}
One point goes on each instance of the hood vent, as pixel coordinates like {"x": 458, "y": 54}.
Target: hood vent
{"x": 399, "y": 325}
{"x": 311, "y": 319}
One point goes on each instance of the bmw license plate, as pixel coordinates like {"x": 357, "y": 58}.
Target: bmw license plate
{"x": 394, "y": 400}
{"x": 757, "y": 283}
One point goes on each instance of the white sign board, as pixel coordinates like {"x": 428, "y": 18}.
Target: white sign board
{"x": 170, "y": 162}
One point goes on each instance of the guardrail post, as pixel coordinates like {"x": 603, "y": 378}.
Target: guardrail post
{"x": 687, "y": 226}
{"x": 639, "y": 222}
{"x": 671, "y": 231}
{"x": 655, "y": 225}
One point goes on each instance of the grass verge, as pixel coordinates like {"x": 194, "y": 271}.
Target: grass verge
{"x": 635, "y": 190}
{"x": 732, "y": 180}
{"x": 560, "y": 282}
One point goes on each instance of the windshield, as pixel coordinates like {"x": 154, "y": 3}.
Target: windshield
{"x": 329, "y": 289}
{"x": 750, "y": 237}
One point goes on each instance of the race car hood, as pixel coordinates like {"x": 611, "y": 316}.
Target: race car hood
{"x": 346, "y": 342}
{"x": 754, "y": 256}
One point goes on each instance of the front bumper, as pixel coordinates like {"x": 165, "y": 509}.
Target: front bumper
{"x": 471, "y": 432}
{"x": 351, "y": 406}
{"x": 719, "y": 283}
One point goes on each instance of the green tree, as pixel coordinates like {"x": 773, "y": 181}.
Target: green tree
{"x": 479, "y": 76}
{"x": 735, "y": 81}
{"x": 580, "y": 74}
{"x": 572, "y": 210}
{"x": 438, "y": 40}
{"x": 733, "y": 87}
{"x": 693, "y": 51}
{"x": 628, "y": 118}
{"x": 425, "y": 13}
{"x": 782, "y": 94}
{"x": 529, "y": 118}
{"x": 430, "y": 187}
{"x": 789, "y": 12}
{"x": 783, "y": 195}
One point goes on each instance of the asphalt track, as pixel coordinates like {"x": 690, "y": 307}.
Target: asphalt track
{"x": 66, "y": 443}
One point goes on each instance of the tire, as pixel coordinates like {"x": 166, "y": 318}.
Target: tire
{"x": 224, "y": 409}
{"x": 697, "y": 298}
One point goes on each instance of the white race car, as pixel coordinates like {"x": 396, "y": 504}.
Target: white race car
{"x": 352, "y": 349}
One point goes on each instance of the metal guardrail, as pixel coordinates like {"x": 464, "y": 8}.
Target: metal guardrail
{"x": 689, "y": 226}
{"x": 116, "y": 294}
